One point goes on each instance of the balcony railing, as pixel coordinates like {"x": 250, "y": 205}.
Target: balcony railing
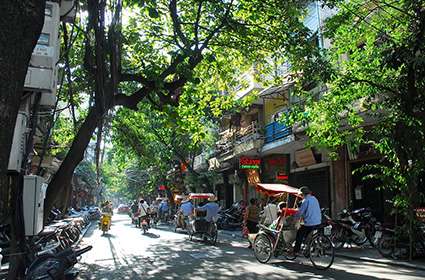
{"x": 275, "y": 131}
{"x": 230, "y": 138}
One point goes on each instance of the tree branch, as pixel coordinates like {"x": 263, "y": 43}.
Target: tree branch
{"x": 371, "y": 83}
{"x": 131, "y": 101}
{"x": 176, "y": 24}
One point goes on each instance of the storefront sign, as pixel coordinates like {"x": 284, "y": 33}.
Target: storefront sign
{"x": 253, "y": 177}
{"x": 278, "y": 161}
{"x": 281, "y": 176}
{"x": 162, "y": 188}
{"x": 304, "y": 157}
{"x": 276, "y": 168}
{"x": 249, "y": 163}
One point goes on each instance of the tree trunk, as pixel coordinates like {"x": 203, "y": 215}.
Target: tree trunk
{"x": 61, "y": 182}
{"x": 20, "y": 24}
{"x": 17, "y": 244}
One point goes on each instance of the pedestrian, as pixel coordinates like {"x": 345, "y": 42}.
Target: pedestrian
{"x": 252, "y": 217}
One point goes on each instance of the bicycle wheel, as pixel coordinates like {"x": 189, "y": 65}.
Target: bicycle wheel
{"x": 321, "y": 252}
{"x": 213, "y": 238}
{"x": 263, "y": 248}
{"x": 338, "y": 237}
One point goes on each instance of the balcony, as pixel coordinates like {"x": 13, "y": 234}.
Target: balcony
{"x": 275, "y": 131}
{"x": 200, "y": 162}
{"x": 238, "y": 141}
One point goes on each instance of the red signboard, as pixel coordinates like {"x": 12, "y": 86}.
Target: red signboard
{"x": 162, "y": 188}
{"x": 281, "y": 176}
{"x": 280, "y": 161}
{"x": 249, "y": 163}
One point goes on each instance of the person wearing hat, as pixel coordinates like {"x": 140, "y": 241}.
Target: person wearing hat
{"x": 211, "y": 208}
{"x": 311, "y": 214}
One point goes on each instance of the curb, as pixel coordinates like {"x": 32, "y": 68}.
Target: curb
{"x": 382, "y": 261}
{"x": 83, "y": 233}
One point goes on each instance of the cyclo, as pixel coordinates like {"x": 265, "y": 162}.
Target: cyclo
{"x": 199, "y": 226}
{"x": 277, "y": 239}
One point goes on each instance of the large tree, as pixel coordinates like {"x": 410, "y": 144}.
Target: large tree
{"x": 21, "y": 23}
{"x": 164, "y": 50}
{"x": 374, "y": 90}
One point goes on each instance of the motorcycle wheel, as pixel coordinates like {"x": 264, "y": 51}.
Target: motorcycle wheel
{"x": 385, "y": 244}
{"x": 338, "y": 237}
{"x": 359, "y": 240}
{"x": 263, "y": 248}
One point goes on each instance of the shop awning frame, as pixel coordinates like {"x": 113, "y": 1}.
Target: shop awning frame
{"x": 276, "y": 189}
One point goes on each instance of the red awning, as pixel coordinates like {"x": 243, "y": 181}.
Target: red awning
{"x": 275, "y": 189}
{"x": 201, "y": 195}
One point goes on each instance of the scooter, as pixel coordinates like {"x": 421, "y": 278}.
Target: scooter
{"x": 145, "y": 224}
{"x": 356, "y": 226}
{"x": 105, "y": 222}
{"x": 55, "y": 266}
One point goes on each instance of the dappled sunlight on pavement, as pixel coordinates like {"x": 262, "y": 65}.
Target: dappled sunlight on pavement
{"x": 126, "y": 253}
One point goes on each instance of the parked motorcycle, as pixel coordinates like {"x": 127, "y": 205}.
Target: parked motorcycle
{"x": 231, "y": 218}
{"x": 355, "y": 227}
{"x": 55, "y": 266}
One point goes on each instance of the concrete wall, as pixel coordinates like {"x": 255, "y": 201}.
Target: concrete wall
{"x": 272, "y": 106}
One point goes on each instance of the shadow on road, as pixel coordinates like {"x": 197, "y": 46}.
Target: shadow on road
{"x": 151, "y": 235}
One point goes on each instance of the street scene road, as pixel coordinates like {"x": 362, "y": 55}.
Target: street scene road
{"x": 296, "y": 125}
{"x": 126, "y": 253}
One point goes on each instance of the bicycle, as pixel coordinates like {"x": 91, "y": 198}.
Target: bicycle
{"x": 317, "y": 246}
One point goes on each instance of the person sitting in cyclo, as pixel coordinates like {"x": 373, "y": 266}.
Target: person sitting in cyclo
{"x": 311, "y": 214}
{"x": 211, "y": 209}
{"x": 186, "y": 209}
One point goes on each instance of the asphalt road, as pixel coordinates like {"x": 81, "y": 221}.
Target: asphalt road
{"x": 126, "y": 253}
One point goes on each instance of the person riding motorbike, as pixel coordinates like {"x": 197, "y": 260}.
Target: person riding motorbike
{"x": 134, "y": 208}
{"x": 143, "y": 212}
{"x": 106, "y": 218}
{"x": 312, "y": 215}
{"x": 107, "y": 207}
{"x": 164, "y": 209}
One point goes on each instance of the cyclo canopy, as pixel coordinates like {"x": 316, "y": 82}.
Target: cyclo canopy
{"x": 289, "y": 194}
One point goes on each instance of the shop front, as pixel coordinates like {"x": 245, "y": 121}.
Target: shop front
{"x": 250, "y": 169}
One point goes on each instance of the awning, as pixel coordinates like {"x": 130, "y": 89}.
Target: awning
{"x": 274, "y": 189}
{"x": 201, "y": 195}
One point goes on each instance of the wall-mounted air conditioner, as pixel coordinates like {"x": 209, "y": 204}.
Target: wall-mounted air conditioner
{"x": 19, "y": 143}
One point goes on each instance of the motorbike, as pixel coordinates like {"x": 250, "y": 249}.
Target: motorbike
{"x": 355, "y": 227}
{"x": 144, "y": 224}
{"x": 55, "y": 266}
{"x": 231, "y": 218}
{"x": 105, "y": 222}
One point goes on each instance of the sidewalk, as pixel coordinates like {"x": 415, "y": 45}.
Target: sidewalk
{"x": 355, "y": 253}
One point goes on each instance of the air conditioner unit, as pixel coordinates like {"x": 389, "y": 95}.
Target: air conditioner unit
{"x": 18, "y": 143}
{"x": 33, "y": 204}
{"x": 42, "y": 70}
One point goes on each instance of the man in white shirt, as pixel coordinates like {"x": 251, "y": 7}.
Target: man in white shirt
{"x": 269, "y": 213}
{"x": 143, "y": 211}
